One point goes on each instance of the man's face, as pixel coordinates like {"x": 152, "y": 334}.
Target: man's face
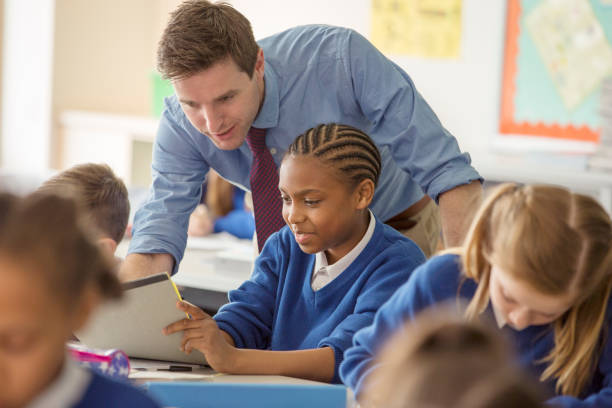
{"x": 223, "y": 101}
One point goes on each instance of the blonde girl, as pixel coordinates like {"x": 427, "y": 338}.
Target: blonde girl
{"x": 538, "y": 259}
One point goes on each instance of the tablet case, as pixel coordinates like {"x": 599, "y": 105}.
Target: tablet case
{"x": 134, "y": 323}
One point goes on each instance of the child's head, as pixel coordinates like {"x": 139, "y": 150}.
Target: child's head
{"x": 440, "y": 360}
{"x": 102, "y": 194}
{"x": 52, "y": 275}
{"x": 542, "y": 254}
{"x": 327, "y": 180}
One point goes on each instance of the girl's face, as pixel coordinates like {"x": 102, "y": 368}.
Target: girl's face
{"x": 320, "y": 208}
{"x": 34, "y": 327}
{"x": 519, "y": 305}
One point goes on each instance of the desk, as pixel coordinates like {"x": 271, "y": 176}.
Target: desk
{"x": 211, "y": 266}
{"x": 218, "y": 262}
{"x": 146, "y": 370}
{"x": 233, "y": 390}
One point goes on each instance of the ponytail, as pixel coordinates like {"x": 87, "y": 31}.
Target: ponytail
{"x": 560, "y": 244}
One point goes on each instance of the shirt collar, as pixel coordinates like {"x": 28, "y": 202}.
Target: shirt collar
{"x": 268, "y": 115}
{"x": 341, "y": 264}
{"x": 67, "y": 389}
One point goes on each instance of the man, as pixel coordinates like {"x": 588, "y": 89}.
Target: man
{"x": 226, "y": 83}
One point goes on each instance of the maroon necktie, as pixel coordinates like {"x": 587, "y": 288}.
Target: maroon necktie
{"x": 267, "y": 204}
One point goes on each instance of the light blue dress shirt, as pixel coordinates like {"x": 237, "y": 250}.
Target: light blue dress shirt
{"x": 313, "y": 74}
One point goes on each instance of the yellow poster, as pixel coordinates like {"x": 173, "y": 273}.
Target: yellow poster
{"x": 427, "y": 28}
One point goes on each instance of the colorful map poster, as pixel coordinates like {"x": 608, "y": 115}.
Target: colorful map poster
{"x": 573, "y": 47}
{"x": 557, "y": 54}
{"x": 426, "y": 28}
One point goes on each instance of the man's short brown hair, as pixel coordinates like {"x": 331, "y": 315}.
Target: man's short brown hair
{"x": 200, "y": 34}
{"x": 102, "y": 194}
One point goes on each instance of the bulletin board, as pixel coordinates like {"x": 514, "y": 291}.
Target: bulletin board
{"x": 557, "y": 54}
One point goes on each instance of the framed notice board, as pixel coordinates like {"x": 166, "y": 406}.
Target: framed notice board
{"x": 557, "y": 54}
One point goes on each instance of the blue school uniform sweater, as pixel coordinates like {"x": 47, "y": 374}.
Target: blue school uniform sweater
{"x": 278, "y": 310}
{"x": 439, "y": 280}
{"x": 104, "y": 392}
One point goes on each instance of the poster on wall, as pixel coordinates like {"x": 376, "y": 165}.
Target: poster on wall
{"x": 557, "y": 55}
{"x": 423, "y": 28}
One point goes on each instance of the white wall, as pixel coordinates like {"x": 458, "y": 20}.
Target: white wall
{"x": 465, "y": 93}
{"x": 26, "y": 84}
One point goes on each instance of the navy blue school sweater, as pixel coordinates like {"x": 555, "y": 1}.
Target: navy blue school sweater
{"x": 104, "y": 392}
{"x": 276, "y": 309}
{"x": 439, "y": 280}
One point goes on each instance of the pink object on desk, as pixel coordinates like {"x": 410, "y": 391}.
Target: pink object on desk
{"x": 113, "y": 363}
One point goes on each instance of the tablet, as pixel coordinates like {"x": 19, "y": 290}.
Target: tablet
{"x": 134, "y": 323}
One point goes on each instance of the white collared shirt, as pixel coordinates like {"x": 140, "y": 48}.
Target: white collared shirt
{"x": 324, "y": 273}
{"x": 67, "y": 389}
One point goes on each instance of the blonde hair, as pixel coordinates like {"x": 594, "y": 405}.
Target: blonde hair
{"x": 441, "y": 360}
{"x": 559, "y": 243}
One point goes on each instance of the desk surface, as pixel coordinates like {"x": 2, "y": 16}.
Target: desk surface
{"x": 218, "y": 262}
{"x": 147, "y": 370}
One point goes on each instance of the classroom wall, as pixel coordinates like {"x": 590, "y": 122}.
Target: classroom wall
{"x": 26, "y": 84}
{"x": 1, "y": 64}
{"x": 465, "y": 93}
{"x": 104, "y": 55}
{"x": 94, "y": 37}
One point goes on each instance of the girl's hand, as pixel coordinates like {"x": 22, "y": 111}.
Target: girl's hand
{"x": 202, "y": 333}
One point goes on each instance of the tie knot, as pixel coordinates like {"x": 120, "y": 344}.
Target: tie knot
{"x": 256, "y": 139}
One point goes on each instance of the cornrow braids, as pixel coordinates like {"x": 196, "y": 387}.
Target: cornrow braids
{"x": 344, "y": 147}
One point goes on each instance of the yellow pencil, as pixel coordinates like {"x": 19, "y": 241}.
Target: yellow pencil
{"x": 178, "y": 294}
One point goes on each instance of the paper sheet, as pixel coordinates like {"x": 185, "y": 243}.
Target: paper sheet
{"x": 170, "y": 375}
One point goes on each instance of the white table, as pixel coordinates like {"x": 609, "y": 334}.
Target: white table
{"x": 211, "y": 266}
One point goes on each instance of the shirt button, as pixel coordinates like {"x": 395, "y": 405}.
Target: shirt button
{"x": 272, "y": 150}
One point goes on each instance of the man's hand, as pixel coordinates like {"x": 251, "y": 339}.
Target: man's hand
{"x": 457, "y": 209}
{"x": 202, "y": 333}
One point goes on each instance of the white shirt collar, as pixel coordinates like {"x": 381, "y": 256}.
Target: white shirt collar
{"x": 325, "y": 273}
{"x": 67, "y": 389}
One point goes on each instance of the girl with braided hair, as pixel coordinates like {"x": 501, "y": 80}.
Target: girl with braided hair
{"x": 320, "y": 278}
